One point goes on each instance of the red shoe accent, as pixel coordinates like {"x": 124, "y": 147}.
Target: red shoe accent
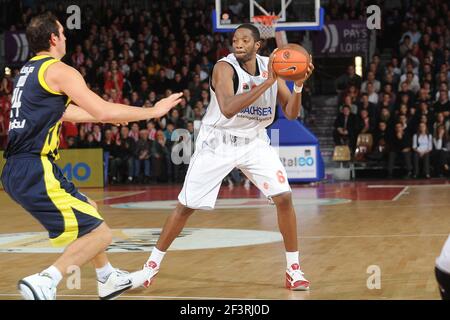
{"x": 297, "y": 284}
{"x": 295, "y": 266}
{"x": 152, "y": 265}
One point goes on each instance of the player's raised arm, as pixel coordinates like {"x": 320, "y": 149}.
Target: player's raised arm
{"x": 229, "y": 103}
{"x": 64, "y": 78}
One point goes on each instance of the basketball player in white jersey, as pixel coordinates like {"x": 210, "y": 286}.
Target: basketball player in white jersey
{"x": 244, "y": 94}
{"x": 442, "y": 271}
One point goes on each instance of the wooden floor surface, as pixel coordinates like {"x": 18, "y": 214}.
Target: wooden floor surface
{"x": 401, "y": 235}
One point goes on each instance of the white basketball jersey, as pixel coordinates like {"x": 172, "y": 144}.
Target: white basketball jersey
{"x": 253, "y": 118}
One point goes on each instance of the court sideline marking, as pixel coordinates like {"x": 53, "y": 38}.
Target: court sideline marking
{"x": 133, "y": 297}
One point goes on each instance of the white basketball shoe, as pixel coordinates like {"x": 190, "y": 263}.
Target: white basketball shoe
{"x": 144, "y": 277}
{"x": 117, "y": 283}
{"x": 38, "y": 286}
{"x": 295, "y": 279}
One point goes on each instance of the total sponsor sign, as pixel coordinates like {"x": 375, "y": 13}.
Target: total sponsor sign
{"x": 300, "y": 162}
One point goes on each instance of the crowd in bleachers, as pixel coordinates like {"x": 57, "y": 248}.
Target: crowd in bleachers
{"x": 136, "y": 56}
{"x": 399, "y": 112}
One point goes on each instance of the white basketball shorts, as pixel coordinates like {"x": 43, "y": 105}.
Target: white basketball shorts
{"x": 217, "y": 153}
{"x": 443, "y": 261}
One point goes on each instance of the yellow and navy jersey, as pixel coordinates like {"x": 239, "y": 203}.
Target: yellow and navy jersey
{"x": 36, "y": 112}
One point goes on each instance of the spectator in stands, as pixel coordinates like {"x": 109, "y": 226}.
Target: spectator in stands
{"x": 373, "y": 96}
{"x": 350, "y": 77}
{"x": 443, "y": 104}
{"x": 440, "y": 153}
{"x": 413, "y": 34}
{"x": 352, "y": 91}
{"x": 134, "y": 132}
{"x": 345, "y": 128}
{"x": 405, "y": 90}
{"x": 186, "y": 112}
{"x": 413, "y": 86}
{"x": 387, "y": 89}
{"x": 442, "y": 86}
{"x": 176, "y": 120}
{"x": 91, "y": 142}
{"x": 441, "y": 121}
{"x": 71, "y": 142}
{"x": 365, "y": 124}
{"x": 136, "y": 99}
{"x": 422, "y": 146}
{"x": 97, "y": 132}
{"x": 410, "y": 63}
{"x": 78, "y": 57}
{"x": 126, "y": 147}
{"x": 151, "y": 127}
{"x": 348, "y": 102}
{"x": 386, "y": 102}
{"x": 385, "y": 116}
{"x": 142, "y": 158}
{"x": 380, "y": 139}
{"x": 408, "y": 127}
{"x": 399, "y": 145}
{"x": 423, "y": 96}
{"x": 371, "y": 79}
{"x": 6, "y": 84}
{"x": 365, "y": 104}
{"x": 161, "y": 83}
{"x": 405, "y": 46}
{"x": 160, "y": 157}
{"x": 110, "y": 149}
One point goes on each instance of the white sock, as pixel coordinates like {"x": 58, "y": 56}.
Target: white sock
{"x": 292, "y": 258}
{"x": 156, "y": 256}
{"x": 104, "y": 272}
{"x": 55, "y": 274}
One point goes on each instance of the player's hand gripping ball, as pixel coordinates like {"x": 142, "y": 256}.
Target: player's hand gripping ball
{"x": 292, "y": 62}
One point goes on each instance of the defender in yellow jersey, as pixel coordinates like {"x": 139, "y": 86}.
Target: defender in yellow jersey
{"x": 42, "y": 97}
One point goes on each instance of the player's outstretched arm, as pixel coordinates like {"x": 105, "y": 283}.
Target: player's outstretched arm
{"x": 63, "y": 78}
{"x": 229, "y": 103}
{"x": 76, "y": 114}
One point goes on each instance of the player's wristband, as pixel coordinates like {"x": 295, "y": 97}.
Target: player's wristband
{"x": 298, "y": 89}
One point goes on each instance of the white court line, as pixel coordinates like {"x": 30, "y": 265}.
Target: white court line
{"x": 121, "y": 196}
{"x": 379, "y": 186}
{"x": 401, "y": 193}
{"x": 416, "y": 186}
{"x": 134, "y": 297}
{"x": 377, "y": 236}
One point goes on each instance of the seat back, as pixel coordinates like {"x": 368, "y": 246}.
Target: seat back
{"x": 341, "y": 153}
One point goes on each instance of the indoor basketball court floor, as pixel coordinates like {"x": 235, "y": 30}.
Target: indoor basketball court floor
{"x": 358, "y": 240}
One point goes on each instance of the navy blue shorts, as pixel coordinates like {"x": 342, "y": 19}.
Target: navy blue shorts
{"x": 39, "y": 186}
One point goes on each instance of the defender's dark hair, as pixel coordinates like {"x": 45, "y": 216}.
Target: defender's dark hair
{"x": 39, "y": 31}
{"x": 255, "y": 32}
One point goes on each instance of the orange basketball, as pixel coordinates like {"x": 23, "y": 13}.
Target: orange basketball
{"x": 291, "y": 62}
